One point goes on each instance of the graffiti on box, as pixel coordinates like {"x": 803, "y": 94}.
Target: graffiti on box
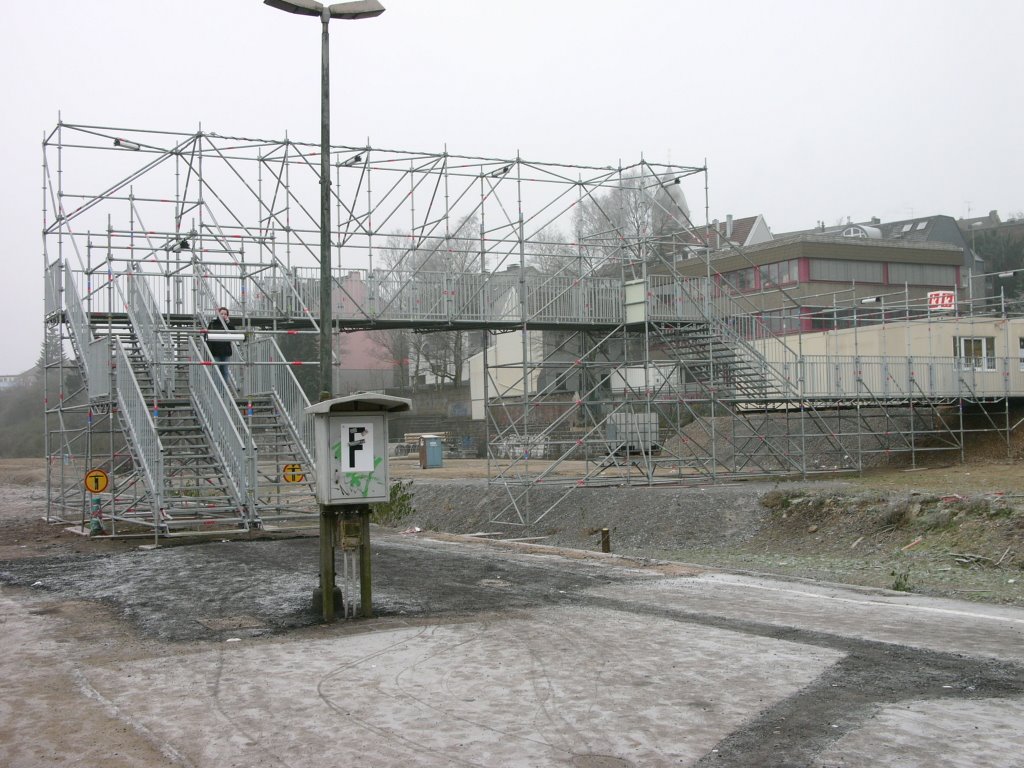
{"x": 354, "y": 463}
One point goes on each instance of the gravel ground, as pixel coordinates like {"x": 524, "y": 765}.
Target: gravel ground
{"x": 955, "y": 531}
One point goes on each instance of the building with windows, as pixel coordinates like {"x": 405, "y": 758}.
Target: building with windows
{"x": 820, "y": 279}
{"x": 13, "y": 381}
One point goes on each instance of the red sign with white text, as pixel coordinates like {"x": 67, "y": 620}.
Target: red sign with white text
{"x": 941, "y": 300}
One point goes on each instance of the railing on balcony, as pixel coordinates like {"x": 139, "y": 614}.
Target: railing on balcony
{"x": 867, "y": 377}
{"x": 364, "y": 296}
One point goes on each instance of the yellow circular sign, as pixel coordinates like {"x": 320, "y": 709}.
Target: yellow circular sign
{"x": 293, "y": 473}
{"x": 96, "y": 481}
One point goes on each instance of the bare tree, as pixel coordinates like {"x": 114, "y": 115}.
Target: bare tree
{"x": 433, "y": 257}
{"x": 550, "y": 252}
{"x": 633, "y": 221}
{"x": 395, "y": 341}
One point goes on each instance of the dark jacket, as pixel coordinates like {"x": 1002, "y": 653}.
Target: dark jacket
{"x": 219, "y": 348}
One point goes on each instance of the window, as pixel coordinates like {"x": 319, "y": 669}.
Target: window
{"x": 906, "y": 227}
{"x": 846, "y": 270}
{"x": 921, "y": 225}
{"x": 975, "y": 353}
{"x": 741, "y": 279}
{"x": 779, "y": 273}
{"x": 778, "y": 322}
{"x": 922, "y": 274}
{"x": 745, "y": 279}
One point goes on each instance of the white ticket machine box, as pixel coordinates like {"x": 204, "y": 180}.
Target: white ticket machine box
{"x": 350, "y": 439}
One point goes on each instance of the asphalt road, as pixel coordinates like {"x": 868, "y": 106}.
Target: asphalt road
{"x": 485, "y": 655}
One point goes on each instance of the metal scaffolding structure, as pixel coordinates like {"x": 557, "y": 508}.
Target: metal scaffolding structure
{"x": 599, "y": 364}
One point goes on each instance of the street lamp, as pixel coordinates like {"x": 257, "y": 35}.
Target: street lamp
{"x": 973, "y": 226}
{"x": 361, "y": 9}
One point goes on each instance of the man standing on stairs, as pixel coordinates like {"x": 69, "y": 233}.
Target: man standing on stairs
{"x": 220, "y": 350}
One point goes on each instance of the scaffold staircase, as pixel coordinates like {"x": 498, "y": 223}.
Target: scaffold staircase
{"x": 203, "y": 454}
{"x": 708, "y": 359}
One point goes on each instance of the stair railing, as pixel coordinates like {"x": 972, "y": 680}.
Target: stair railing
{"x": 152, "y": 332}
{"x": 270, "y": 373}
{"x": 698, "y": 299}
{"x": 230, "y": 438}
{"x": 138, "y": 425}
{"x": 52, "y": 286}
{"x": 93, "y": 354}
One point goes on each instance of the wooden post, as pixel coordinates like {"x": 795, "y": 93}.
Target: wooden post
{"x": 328, "y": 525}
{"x": 606, "y": 540}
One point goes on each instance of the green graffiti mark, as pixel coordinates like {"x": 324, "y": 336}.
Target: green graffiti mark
{"x": 360, "y": 481}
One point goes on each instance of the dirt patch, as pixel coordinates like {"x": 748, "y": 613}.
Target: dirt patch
{"x": 22, "y": 472}
{"x": 963, "y": 545}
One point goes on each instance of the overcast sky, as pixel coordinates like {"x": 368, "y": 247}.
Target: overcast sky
{"x": 802, "y": 110}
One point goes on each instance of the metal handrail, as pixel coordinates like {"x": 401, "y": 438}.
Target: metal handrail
{"x": 152, "y": 332}
{"x": 205, "y": 310}
{"x": 93, "y": 354}
{"x": 271, "y": 289}
{"x": 78, "y": 322}
{"x": 853, "y": 376}
{"x": 279, "y": 381}
{"x": 697, "y": 299}
{"x": 138, "y": 425}
{"x": 52, "y": 286}
{"x": 98, "y": 363}
{"x": 230, "y": 438}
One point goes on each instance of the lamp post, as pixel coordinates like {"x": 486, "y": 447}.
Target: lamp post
{"x": 360, "y": 9}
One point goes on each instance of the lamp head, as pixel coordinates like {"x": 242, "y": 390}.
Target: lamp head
{"x": 359, "y": 9}
{"x": 301, "y": 7}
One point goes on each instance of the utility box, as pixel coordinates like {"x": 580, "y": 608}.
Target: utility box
{"x": 632, "y": 432}
{"x": 431, "y": 452}
{"x": 350, "y": 447}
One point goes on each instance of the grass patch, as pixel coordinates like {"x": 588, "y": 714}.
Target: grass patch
{"x": 901, "y": 580}
{"x": 898, "y": 515}
{"x": 396, "y": 508}
{"x": 942, "y": 519}
{"x": 776, "y": 500}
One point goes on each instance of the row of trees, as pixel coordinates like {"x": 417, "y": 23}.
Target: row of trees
{"x": 1003, "y": 251}
{"x": 21, "y": 406}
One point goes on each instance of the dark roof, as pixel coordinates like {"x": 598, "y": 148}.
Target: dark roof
{"x": 714, "y": 234}
{"x": 921, "y": 229}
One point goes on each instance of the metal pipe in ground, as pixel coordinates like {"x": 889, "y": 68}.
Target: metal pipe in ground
{"x": 606, "y": 540}
{"x": 365, "y": 584}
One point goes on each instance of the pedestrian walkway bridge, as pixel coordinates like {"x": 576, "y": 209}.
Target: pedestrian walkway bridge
{"x": 582, "y": 256}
